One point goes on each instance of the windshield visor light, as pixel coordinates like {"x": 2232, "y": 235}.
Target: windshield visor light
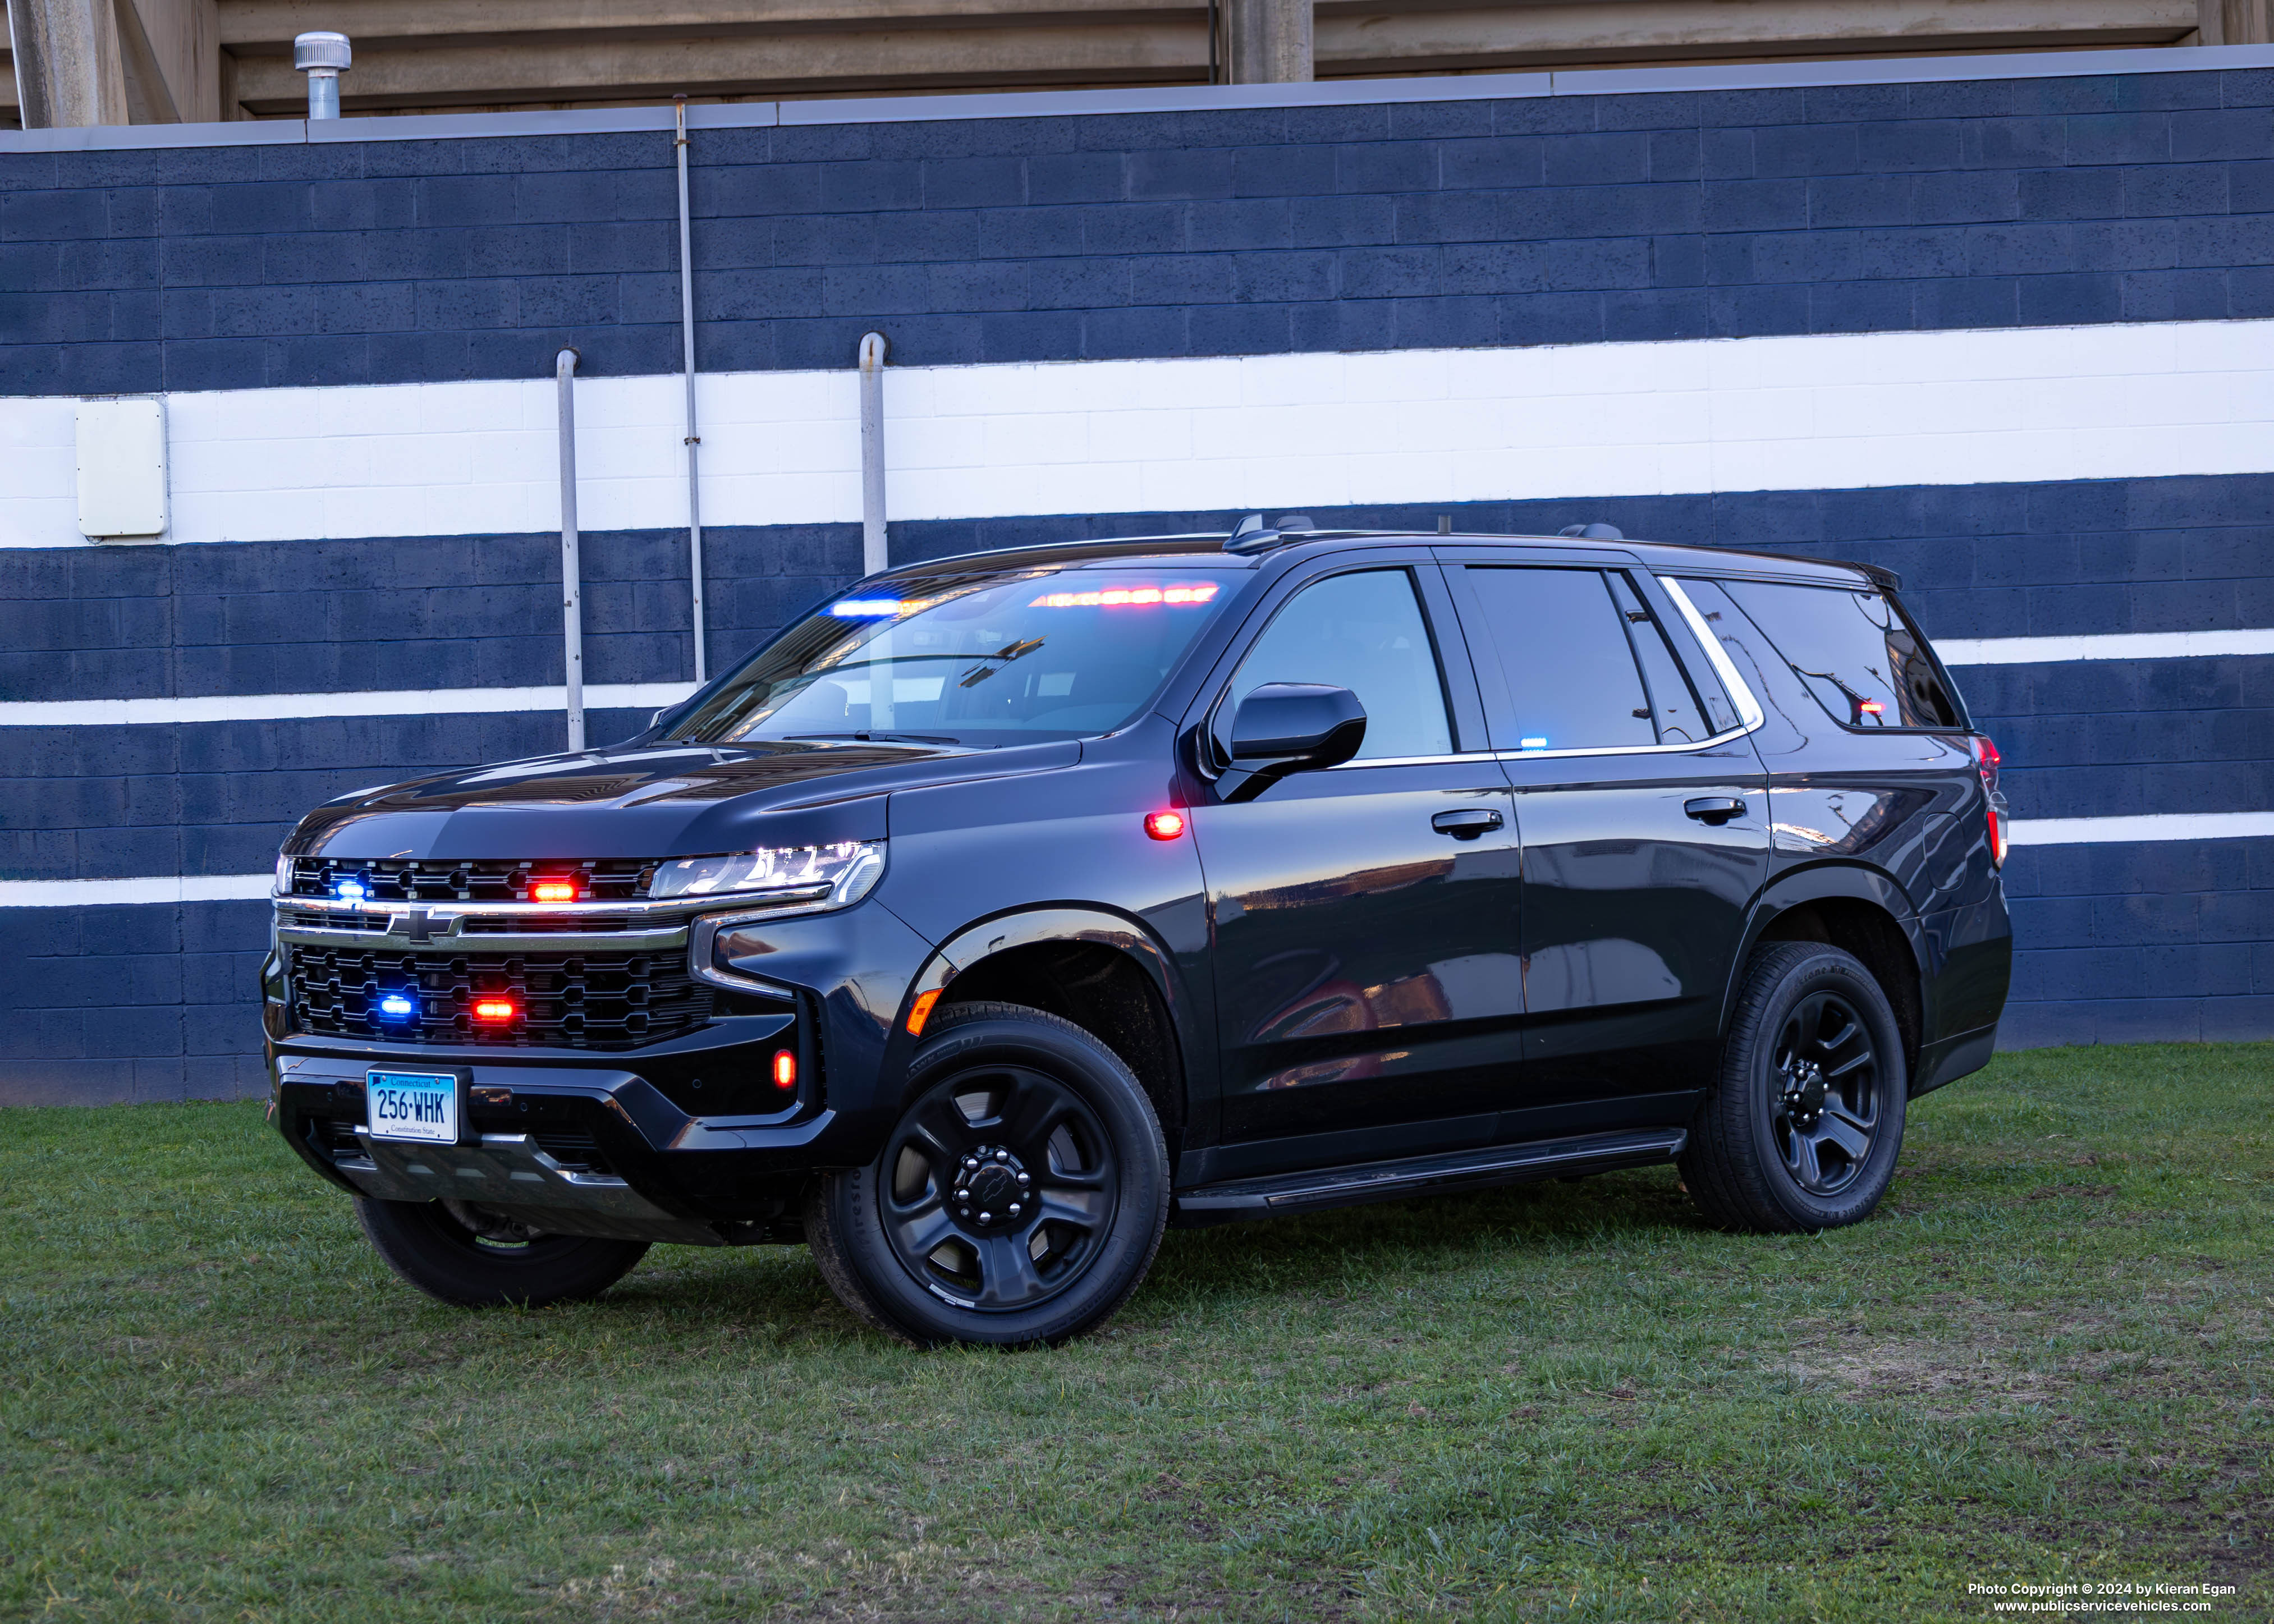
{"x": 821, "y": 877}
{"x": 1131, "y": 597}
{"x": 869, "y": 608}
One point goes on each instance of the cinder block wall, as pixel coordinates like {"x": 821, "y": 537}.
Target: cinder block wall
{"x": 2054, "y": 198}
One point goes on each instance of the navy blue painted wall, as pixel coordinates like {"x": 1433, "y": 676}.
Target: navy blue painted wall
{"x": 1571, "y": 219}
{"x": 1552, "y": 220}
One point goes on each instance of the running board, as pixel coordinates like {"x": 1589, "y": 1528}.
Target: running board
{"x": 1411, "y": 1175}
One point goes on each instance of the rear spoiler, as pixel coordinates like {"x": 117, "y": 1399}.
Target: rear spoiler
{"x": 1878, "y": 575}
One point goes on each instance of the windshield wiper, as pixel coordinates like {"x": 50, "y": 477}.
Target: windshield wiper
{"x": 868, "y": 737}
{"x": 1008, "y": 652}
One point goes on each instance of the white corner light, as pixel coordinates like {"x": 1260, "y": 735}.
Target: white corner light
{"x": 122, "y": 469}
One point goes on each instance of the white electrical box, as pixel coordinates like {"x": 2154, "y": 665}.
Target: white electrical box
{"x": 122, "y": 469}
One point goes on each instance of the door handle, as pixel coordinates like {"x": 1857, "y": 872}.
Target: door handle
{"x": 1467, "y": 823}
{"x": 1714, "y": 809}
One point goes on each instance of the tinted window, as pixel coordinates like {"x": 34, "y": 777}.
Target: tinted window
{"x": 1856, "y": 653}
{"x": 1675, "y": 703}
{"x": 1571, "y": 673}
{"x": 983, "y": 658}
{"x": 1363, "y": 632}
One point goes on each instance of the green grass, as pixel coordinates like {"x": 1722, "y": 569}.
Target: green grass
{"x": 2046, "y": 1359}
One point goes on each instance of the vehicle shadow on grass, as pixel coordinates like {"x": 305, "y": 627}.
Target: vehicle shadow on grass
{"x": 1228, "y": 1267}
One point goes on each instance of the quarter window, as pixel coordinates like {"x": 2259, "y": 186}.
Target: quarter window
{"x": 1365, "y": 632}
{"x": 1854, "y": 652}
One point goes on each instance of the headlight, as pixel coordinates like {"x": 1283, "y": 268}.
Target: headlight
{"x": 283, "y": 876}
{"x": 824, "y": 876}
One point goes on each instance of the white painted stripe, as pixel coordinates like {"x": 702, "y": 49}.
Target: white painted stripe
{"x": 278, "y": 707}
{"x": 2109, "y": 646}
{"x": 1821, "y": 411}
{"x": 169, "y": 888}
{"x": 654, "y": 695}
{"x": 2151, "y": 826}
{"x": 2028, "y": 831}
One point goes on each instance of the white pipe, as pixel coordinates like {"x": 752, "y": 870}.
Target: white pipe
{"x": 873, "y": 349}
{"x": 694, "y": 440}
{"x": 572, "y": 612}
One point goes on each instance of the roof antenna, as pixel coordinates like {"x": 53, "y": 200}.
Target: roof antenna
{"x": 1593, "y": 532}
{"x": 1444, "y": 524}
{"x": 1247, "y": 527}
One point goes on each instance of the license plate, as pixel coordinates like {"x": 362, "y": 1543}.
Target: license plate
{"x": 413, "y": 1105}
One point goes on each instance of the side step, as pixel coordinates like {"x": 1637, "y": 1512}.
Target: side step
{"x": 1412, "y": 1176}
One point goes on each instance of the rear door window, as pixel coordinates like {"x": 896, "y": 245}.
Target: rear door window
{"x": 1587, "y": 666}
{"x": 1854, "y": 650}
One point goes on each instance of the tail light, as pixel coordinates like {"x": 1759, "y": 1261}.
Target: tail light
{"x": 1986, "y": 760}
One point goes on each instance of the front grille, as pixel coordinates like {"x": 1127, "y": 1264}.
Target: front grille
{"x": 601, "y": 1000}
{"x": 604, "y": 880}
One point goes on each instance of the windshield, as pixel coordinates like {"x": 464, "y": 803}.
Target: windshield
{"x": 999, "y": 658}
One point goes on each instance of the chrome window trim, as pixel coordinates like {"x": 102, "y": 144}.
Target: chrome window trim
{"x": 702, "y": 941}
{"x": 1411, "y": 761}
{"x": 1725, "y": 737}
{"x": 1748, "y": 709}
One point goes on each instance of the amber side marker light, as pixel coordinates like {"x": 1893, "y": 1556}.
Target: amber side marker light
{"x": 920, "y": 1012}
{"x": 1164, "y": 825}
{"x": 784, "y": 1069}
{"x": 494, "y": 1008}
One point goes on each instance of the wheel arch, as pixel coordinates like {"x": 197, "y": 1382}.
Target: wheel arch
{"x": 1102, "y": 970}
{"x": 1858, "y": 910}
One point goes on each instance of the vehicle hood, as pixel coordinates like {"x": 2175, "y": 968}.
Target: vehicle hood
{"x": 653, "y": 801}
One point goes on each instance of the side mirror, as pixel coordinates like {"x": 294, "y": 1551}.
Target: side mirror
{"x": 1284, "y": 727}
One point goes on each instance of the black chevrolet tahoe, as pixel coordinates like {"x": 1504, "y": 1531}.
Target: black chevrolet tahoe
{"x": 1015, "y": 906}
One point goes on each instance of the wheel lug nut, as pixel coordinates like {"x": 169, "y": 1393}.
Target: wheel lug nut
{"x": 1015, "y": 1209}
{"x": 986, "y": 1217}
{"x": 1002, "y": 1156}
{"x": 1024, "y": 1179}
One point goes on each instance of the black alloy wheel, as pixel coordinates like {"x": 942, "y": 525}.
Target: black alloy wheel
{"x": 1020, "y": 1198}
{"x": 1801, "y": 1130}
{"x": 459, "y": 1253}
{"x": 1002, "y": 1183}
{"x": 1827, "y": 1105}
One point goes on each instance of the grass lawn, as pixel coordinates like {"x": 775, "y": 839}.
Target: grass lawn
{"x": 2045, "y": 1361}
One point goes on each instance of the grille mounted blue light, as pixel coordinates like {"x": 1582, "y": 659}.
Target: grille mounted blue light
{"x": 397, "y": 1006}
{"x": 350, "y": 890}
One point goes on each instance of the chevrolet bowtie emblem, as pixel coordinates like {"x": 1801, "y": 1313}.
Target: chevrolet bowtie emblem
{"x": 420, "y": 926}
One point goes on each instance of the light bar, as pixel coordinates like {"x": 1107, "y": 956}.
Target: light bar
{"x": 867, "y": 608}
{"x": 1115, "y": 598}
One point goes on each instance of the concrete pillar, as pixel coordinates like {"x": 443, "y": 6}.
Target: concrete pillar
{"x": 2234, "y": 22}
{"x": 172, "y": 53}
{"x": 1268, "y": 41}
{"x": 68, "y": 68}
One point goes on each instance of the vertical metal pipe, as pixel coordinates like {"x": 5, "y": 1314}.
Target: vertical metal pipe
{"x": 323, "y": 56}
{"x": 694, "y": 440}
{"x": 572, "y": 608}
{"x": 873, "y": 347}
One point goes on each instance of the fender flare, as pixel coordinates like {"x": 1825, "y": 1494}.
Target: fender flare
{"x": 1027, "y": 927}
{"x": 1821, "y": 882}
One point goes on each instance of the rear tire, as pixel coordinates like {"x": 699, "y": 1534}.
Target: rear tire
{"x": 1802, "y": 1129}
{"x": 434, "y": 1248}
{"x": 1019, "y": 1199}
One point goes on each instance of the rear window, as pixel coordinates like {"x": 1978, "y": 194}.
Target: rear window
{"x": 1854, "y": 650}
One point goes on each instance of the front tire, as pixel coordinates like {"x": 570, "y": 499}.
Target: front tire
{"x": 471, "y": 1257}
{"x": 1019, "y": 1199}
{"x": 1803, "y": 1128}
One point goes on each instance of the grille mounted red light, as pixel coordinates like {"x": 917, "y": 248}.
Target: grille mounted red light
{"x": 553, "y": 890}
{"x": 784, "y": 1069}
{"x": 494, "y": 1009}
{"x": 1164, "y": 825}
